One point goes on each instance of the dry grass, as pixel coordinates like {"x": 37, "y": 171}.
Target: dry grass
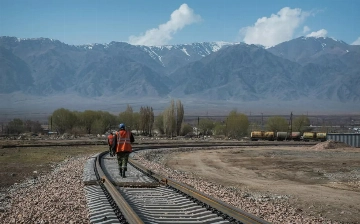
{"x": 17, "y": 164}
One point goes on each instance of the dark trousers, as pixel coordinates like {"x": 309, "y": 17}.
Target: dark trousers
{"x": 123, "y": 158}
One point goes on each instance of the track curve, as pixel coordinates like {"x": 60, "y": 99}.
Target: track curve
{"x": 146, "y": 197}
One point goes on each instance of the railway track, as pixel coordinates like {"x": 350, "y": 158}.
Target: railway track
{"x": 147, "y": 197}
{"x": 154, "y": 144}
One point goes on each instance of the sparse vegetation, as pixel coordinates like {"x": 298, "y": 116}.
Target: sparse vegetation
{"x": 276, "y": 124}
{"x": 17, "y": 164}
{"x": 301, "y": 124}
{"x": 237, "y": 125}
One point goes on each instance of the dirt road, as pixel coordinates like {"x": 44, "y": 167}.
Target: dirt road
{"x": 323, "y": 180}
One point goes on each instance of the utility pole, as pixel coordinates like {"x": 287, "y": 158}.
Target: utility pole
{"x": 262, "y": 122}
{"x": 197, "y": 129}
{"x": 291, "y": 115}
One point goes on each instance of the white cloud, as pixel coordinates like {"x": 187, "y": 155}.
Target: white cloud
{"x": 306, "y": 29}
{"x": 269, "y": 31}
{"x": 356, "y": 42}
{"x": 319, "y": 33}
{"x": 164, "y": 33}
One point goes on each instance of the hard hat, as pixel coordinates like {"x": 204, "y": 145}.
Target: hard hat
{"x": 122, "y": 126}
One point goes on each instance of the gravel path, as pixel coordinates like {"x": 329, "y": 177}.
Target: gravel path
{"x": 57, "y": 197}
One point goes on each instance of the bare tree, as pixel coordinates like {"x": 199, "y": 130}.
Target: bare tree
{"x": 146, "y": 120}
{"x": 301, "y": 123}
{"x": 151, "y": 121}
{"x": 16, "y": 126}
{"x": 276, "y": 124}
{"x": 159, "y": 123}
{"x": 126, "y": 117}
{"x": 33, "y": 126}
{"x": 143, "y": 120}
{"x": 169, "y": 119}
{"x": 179, "y": 116}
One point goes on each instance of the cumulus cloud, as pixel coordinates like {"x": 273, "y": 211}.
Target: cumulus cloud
{"x": 306, "y": 29}
{"x": 356, "y": 42}
{"x": 277, "y": 28}
{"x": 319, "y": 33}
{"x": 164, "y": 32}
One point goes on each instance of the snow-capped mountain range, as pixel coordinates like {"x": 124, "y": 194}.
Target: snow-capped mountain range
{"x": 303, "y": 69}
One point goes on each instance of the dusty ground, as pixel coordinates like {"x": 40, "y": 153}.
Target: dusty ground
{"x": 18, "y": 164}
{"x": 323, "y": 180}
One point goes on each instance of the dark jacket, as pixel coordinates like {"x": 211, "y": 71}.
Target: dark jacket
{"x": 113, "y": 147}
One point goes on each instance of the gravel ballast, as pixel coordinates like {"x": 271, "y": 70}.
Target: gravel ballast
{"x": 57, "y": 197}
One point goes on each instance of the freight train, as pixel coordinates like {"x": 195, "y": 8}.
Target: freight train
{"x": 286, "y": 136}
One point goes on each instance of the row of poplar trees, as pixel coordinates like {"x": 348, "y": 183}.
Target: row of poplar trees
{"x": 168, "y": 122}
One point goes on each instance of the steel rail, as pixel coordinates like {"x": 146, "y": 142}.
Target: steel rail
{"x": 129, "y": 214}
{"x": 227, "y": 209}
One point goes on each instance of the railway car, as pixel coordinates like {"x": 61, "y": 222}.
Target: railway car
{"x": 269, "y": 135}
{"x": 314, "y": 136}
{"x": 307, "y": 136}
{"x": 256, "y": 135}
{"x": 282, "y": 135}
{"x": 262, "y": 135}
{"x": 321, "y": 136}
{"x": 296, "y": 135}
{"x": 286, "y": 136}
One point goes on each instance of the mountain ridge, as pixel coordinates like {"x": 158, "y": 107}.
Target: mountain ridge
{"x": 299, "y": 70}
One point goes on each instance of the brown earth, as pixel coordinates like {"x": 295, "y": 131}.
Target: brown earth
{"x": 322, "y": 180}
{"x": 19, "y": 163}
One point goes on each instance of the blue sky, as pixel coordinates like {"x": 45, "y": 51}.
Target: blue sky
{"x": 160, "y": 22}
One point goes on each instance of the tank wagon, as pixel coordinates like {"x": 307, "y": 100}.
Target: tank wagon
{"x": 286, "y": 136}
{"x": 283, "y": 136}
{"x": 314, "y": 136}
{"x": 262, "y": 135}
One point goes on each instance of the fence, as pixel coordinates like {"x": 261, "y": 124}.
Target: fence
{"x": 352, "y": 139}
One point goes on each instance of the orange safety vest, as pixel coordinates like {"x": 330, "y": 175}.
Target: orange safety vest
{"x": 123, "y": 141}
{"x": 110, "y": 139}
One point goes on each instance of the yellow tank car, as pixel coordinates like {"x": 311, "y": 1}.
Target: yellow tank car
{"x": 321, "y": 136}
{"x": 269, "y": 135}
{"x": 309, "y": 136}
{"x": 256, "y": 135}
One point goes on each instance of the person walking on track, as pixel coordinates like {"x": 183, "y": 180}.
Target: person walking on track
{"x": 110, "y": 140}
{"x": 122, "y": 147}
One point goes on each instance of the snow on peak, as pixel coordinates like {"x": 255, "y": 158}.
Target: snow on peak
{"x": 184, "y": 50}
{"x": 217, "y": 45}
{"x": 151, "y": 51}
{"x": 91, "y": 46}
{"x": 17, "y": 39}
